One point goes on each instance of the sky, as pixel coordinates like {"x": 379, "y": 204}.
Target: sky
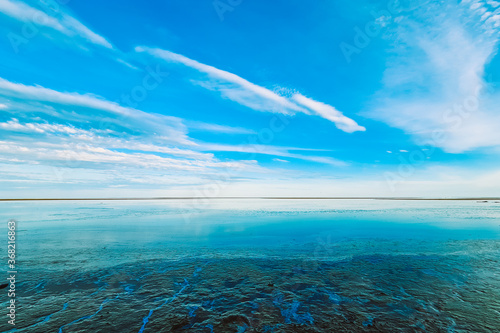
{"x": 249, "y": 98}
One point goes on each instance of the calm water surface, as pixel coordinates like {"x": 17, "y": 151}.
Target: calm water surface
{"x": 256, "y": 266}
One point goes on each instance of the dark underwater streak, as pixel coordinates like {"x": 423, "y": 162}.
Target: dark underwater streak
{"x": 46, "y": 319}
{"x": 145, "y": 320}
{"x": 90, "y": 316}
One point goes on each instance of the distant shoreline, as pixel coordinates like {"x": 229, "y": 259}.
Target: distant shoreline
{"x": 248, "y": 198}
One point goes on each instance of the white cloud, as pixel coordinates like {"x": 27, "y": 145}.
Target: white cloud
{"x": 25, "y": 13}
{"x": 64, "y": 23}
{"x": 242, "y": 91}
{"x": 329, "y": 112}
{"x": 134, "y": 147}
{"x": 55, "y": 16}
{"x": 8, "y": 88}
{"x": 154, "y": 133}
{"x": 14, "y": 125}
{"x": 71, "y": 134}
{"x": 127, "y": 64}
{"x": 169, "y": 128}
{"x": 77, "y": 155}
{"x": 216, "y": 128}
{"x": 80, "y": 29}
{"x": 434, "y": 85}
{"x": 79, "y": 136}
{"x": 274, "y": 151}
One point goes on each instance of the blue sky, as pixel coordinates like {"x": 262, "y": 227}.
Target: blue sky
{"x": 249, "y": 98}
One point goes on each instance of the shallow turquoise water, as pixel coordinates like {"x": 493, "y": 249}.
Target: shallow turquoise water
{"x": 369, "y": 264}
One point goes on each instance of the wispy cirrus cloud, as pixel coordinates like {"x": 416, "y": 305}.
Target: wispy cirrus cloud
{"x": 83, "y": 155}
{"x": 36, "y": 92}
{"x": 216, "y": 128}
{"x": 51, "y": 127}
{"x": 231, "y": 85}
{"x": 15, "y": 126}
{"x": 62, "y": 137}
{"x": 289, "y": 152}
{"x": 328, "y": 112}
{"x": 435, "y": 86}
{"x": 259, "y": 98}
{"x": 169, "y": 128}
{"x": 56, "y": 21}
{"x": 68, "y": 134}
{"x": 53, "y": 17}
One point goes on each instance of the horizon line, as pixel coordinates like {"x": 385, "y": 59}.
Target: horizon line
{"x": 226, "y": 198}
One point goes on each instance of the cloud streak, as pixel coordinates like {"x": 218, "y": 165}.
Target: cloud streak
{"x": 435, "y": 87}
{"x": 329, "y": 112}
{"x": 259, "y": 98}
{"x": 256, "y": 149}
{"x": 85, "y": 131}
{"x": 63, "y": 23}
{"x": 170, "y": 128}
{"x": 216, "y": 128}
{"x": 78, "y": 155}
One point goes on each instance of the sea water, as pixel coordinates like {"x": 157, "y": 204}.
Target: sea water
{"x": 254, "y": 265}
